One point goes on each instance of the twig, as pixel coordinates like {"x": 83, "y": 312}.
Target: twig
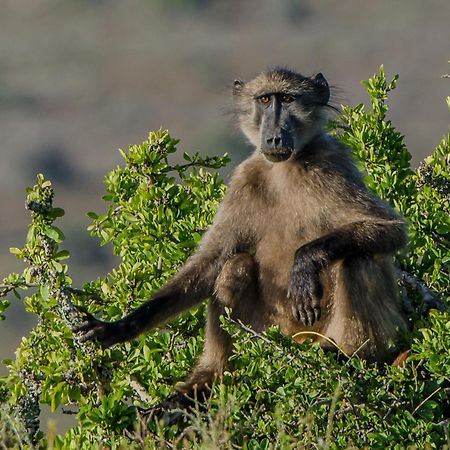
{"x": 352, "y": 408}
{"x": 139, "y": 389}
{"x": 425, "y": 400}
{"x": 430, "y": 299}
{"x": 331, "y": 414}
{"x": 113, "y": 214}
{"x": 343, "y": 127}
{"x": 355, "y": 353}
{"x": 82, "y": 293}
{"x": 6, "y": 288}
{"x": 208, "y": 162}
{"x": 254, "y": 333}
{"x": 263, "y": 338}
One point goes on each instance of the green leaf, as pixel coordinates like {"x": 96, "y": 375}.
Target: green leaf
{"x": 57, "y": 212}
{"x": 54, "y": 233}
{"x": 92, "y": 215}
{"x": 63, "y": 254}
{"x": 44, "y": 291}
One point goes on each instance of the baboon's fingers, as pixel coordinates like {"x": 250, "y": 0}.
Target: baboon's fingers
{"x": 83, "y": 327}
{"x": 88, "y": 321}
{"x": 304, "y": 317}
{"x": 93, "y": 334}
{"x": 295, "y": 312}
{"x": 101, "y": 333}
{"x": 306, "y": 311}
{"x": 302, "y": 313}
{"x": 317, "y": 312}
{"x": 309, "y": 315}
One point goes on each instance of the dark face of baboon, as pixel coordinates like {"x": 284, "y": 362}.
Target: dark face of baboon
{"x": 280, "y": 111}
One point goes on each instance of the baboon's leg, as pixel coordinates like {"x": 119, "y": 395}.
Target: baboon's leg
{"x": 366, "y": 315}
{"x": 236, "y": 288}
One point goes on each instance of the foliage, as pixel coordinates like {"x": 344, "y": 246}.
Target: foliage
{"x": 422, "y": 195}
{"x": 280, "y": 394}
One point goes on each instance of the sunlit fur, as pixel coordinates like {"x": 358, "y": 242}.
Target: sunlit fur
{"x": 301, "y": 244}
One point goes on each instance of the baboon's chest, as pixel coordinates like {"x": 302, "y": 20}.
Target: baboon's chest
{"x": 281, "y": 233}
{"x": 297, "y": 215}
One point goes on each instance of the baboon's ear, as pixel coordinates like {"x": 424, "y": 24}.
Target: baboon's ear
{"x": 319, "y": 80}
{"x": 237, "y": 86}
{"x": 322, "y": 87}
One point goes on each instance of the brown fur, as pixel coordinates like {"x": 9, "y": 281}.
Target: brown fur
{"x": 273, "y": 214}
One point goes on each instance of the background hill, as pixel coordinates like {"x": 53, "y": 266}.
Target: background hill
{"x": 78, "y": 79}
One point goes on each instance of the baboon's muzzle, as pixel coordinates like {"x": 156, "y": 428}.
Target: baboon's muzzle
{"x": 276, "y": 145}
{"x": 277, "y": 156}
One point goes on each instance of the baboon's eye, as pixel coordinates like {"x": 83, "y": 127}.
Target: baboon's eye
{"x": 287, "y": 98}
{"x": 264, "y": 99}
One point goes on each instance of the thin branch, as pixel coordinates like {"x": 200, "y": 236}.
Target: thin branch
{"x": 254, "y": 333}
{"x": 430, "y": 299}
{"x": 340, "y": 126}
{"x": 426, "y": 399}
{"x": 7, "y": 288}
{"x": 331, "y": 415}
{"x": 261, "y": 337}
{"x": 352, "y": 408}
{"x": 139, "y": 389}
{"x": 208, "y": 162}
{"x": 69, "y": 412}
{"x": 116, "y": 211}
{"x": 82, "y": 293}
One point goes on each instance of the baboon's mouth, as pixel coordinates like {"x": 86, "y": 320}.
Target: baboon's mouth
{"x": 277, "y": 156}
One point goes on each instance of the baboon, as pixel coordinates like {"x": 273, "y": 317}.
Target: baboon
{"x": 298, "y": 240}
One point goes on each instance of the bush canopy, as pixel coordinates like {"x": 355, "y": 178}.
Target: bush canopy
{"x": 280, "y": 394}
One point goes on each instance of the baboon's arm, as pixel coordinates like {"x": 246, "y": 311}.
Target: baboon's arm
{"x": 193, "y": 283}
{"x": 382, "y": 233}
{"x": 371, "y": 227}
{"x": 365, "y": 237}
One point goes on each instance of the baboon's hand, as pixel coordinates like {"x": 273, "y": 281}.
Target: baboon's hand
{"x": 105, "y": 333}
{"x": 306, "y": 289}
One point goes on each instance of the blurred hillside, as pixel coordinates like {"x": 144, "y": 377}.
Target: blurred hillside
{"x": 78, "y": 79}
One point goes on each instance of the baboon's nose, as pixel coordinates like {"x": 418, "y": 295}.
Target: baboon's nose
{"x": 274, "y": 141}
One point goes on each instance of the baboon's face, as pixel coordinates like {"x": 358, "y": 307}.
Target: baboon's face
{"x": 281, "y": 111}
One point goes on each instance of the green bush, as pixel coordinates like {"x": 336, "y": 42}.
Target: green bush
{"x": 281, "y": 394}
